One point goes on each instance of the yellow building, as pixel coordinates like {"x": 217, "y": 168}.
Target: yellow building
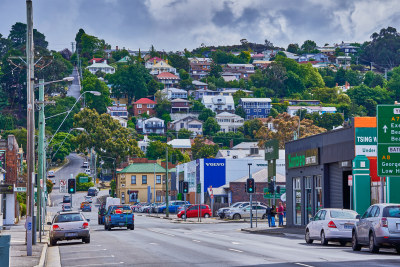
{"x": 136, "y": 183}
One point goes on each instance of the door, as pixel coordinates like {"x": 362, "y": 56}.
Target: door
{"x": 320, "y": 223}
{"x": 312, "y": 226}
{"x": 362, "y": 229}
{"x": 192, "y": 212}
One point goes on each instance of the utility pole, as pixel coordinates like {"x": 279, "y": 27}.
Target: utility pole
{"x": 41, "y": 158}
{"x": 30, "y": 155}
{"x": 72, "y": 45}
{"x": 166, "y": 186}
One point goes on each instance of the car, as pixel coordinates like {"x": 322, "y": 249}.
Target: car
{"x": 378, "y": 227}
{"x": 193, "y": 211}
{"x": 119, "y": 216}
{"x": 87, "y": 171}
{"x": 83, "y": 203}
{"x": 51, "y": 174}
{"x": 221, "y": 211}
{"x": 87, "y": 207}
{"x": 53, "y": 181}
{"x": 92, "y": 191}
{"x": 88, "y": 199}
{"x": 68, "y": 226}
{"x": 331, "y": 225}
{"x": 67, "y": 199}
{"x": 85, "y": 164}
{"x": 172, "y": 206}
{"x": 258, "y": 211}
{"x": 66, "y": 207}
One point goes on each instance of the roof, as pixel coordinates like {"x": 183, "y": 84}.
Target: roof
{"x": 117, "y": 108}
{"x": 180, "y": 143}
{"x": 256, "y": 99}
{"x": 179, "y": 100}
{"x": 173, "y": 90}
{"x": 226, "y": 114}
{"x": 161, "y": 64}
{"x": 206, "y": 142}
{"x": 208, "y": 99}
{"x": 100, "y": 65}
{"x": 145, "y": 101}
{"x": 155, "y": 58}
{"x": 167, "y": 75}
{"x": 143, "y": 168}
{"x": 199, "y": 83}
{"x": 245, "y": 145}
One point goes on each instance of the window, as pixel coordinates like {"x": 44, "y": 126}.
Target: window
{"x": 297, "y": 200}
{"x": 139, "y": 106}
{"x": 144, "y": 179}
{"x": 133, "y": 179}
{"x": 139, "y": 111}
{"x": 158, "y": 179}
{"x": 308, "y": 197}
{"x": 318, "y": 192}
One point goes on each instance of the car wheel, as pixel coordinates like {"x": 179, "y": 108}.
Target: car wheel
{"x": 264, "y": 216}
{"x": 398, "y": 250}
{"x": 324, "y": 242}
{"x": 86, "y": 240}
{"x": 53, "y": 242}
{"x": 236, "y": 216}
{"x": 105, "y": 227}
{"x": 132, "y": 227}
{"x": 206, "y": 215}
{"x": 183, "y": 216}
{"x": 109, "y": 228}
{"x": 308, "y": 238}
{"x": 354, "y": 243}
{"x": 373, "y": 248}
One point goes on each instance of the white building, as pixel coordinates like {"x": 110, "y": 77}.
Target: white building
{"x": 190, "y": 123}
{"x": 292, "y": 110}
{"x": 143, "y": 144}
{"x": 123, "y": 122}
{"x": 152, "y": 125}
{"x": 219, "y": 103}
{"x": 103, "y": 67}
{"x": 174, "y": 93}
{"x": 162, "y": 66}
{"x": 118, "y": 111}
{"x": 229, "y": 122}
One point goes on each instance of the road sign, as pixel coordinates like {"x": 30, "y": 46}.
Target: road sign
{"x": 83, "y": 179}
{"x": 20, "y": 189}
{"x": 6, "y": 189}
{"x": 63, "y": 186}
{"x": 350, "y": 180}
{"x": 268, "y": 195}
{"x": 388, "y": 129}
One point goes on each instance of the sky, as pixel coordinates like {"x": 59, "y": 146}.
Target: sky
{"x": 173, "y": 25}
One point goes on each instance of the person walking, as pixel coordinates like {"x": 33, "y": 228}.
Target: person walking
{"x": 280, "y": 213}
{"x": 269, "y": 213}
{"x": 273, "y": 213}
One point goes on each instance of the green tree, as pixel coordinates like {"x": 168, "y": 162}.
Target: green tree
{"x": 153, "y": 86}
{"x": 211, "y": 126}
{"x": 240, "y": 112}
{"x": 118, "y": 54}
{"x": 206, "y": 113}
{"x": 92, "y": 83}
{"x": 365, "y": 96}
{"x": 251, "y": 127}
{"x": 20, "y": 134}
{"x": 394, "y": 82}
{"x": 62, "y": 149}
{"x": 215, "y": 70}
{"x": 63, "y": 104}
{"x": 178, "y": 62}
{"x": 225, "y": 138}
{"x": 238, "y": 95}
{"x": 184, "y": 133}
{"x": 202, "y": 150}
{"x": 17, "y": 36}
{"x": 157, "y": 150}
{"x": 308, "y": 46}
{"x": 293, "y": 48}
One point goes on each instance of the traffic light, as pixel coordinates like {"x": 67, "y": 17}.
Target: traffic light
{"x": 71, "y": 186}
{"x": 250, "y": 186}
{"x": 278, "y": 189}
{"x": 185, "y": 187}
{"x": 271, "y": 187}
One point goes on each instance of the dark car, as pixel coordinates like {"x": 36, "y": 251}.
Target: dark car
{"x": 67, "y": 199}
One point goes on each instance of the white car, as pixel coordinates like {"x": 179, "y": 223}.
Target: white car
{"x": 244, "y": 212}
{"x": 87, "y": 171}
{"x": 51, "y": 174}
{"x": 331, "y": 225}
{"x": 88, "y": 199}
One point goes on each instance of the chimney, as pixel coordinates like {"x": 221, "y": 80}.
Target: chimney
{"x": 116, "y": 48}
{"x": 231, "y": 143}
{"x": 337, "y": 84}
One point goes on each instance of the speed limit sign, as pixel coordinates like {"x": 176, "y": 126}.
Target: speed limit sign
{"x": 63, "y": 186}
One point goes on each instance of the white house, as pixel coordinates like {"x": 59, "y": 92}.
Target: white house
{"x": 229, "y": 122}
{"x": 118, "y": 111}
{"x": 162, "y": 66}
{"x": 123, "y": 122}
{"x": 173, "y": 93}
{"x": 103, "y": 67}
{"x": 143, "y": 144}
{"x": 219, "y": 103}
{"x": 190, "y": 123}
{"x": 152, "y": 125}
{"x": 292, "y": 110}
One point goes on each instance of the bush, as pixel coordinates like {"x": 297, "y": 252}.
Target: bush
{"x": 84, "y": 186}
{"x": 22, "y": 208}
{"x": 49, "y": 185}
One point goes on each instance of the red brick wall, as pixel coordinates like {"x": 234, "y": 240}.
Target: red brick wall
{"x": 12, "y": 160}
{"x": 143, "y": 109}
{"x": 239, "y": 194}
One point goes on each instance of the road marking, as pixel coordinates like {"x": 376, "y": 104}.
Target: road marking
{"x": 96, "y": 264}
{"x": 302, "y": 264}
{"x": 194, "y": 240}
{"x": 236, "y": 250}
{"x": 85, "y": 251}
{"x": 85, "y": 258}
{"x": 161, "y": 232}
{"x": 153, "y": 243}
{"x": 235, "y": 243}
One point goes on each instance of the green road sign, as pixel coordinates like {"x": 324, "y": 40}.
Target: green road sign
{"x": 268, "y": 195}
{"x": 198, "y": 189}
{"x": 388, "y": 129}
{"x": 83, "y": 179}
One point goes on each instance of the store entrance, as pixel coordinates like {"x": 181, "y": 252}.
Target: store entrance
{"x": 346, "y": 190}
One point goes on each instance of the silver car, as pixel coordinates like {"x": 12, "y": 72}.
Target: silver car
{"x": 69, "y": 225}
{"x": 240, "y": 213}
{"x": 378, "y": 227}
{"x": 331, "y": 225}
{"x": 221, "y": 211}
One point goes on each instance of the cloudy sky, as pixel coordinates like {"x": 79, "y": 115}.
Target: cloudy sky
{"x": 177, "y": 24}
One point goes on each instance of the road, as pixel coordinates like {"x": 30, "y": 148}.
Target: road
{"x": 159, "y": 242}
{"x": 74, "y": 89}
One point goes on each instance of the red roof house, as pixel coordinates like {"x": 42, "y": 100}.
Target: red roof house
{"x": 168, "y": 79}
{"x": 144, "y": 105}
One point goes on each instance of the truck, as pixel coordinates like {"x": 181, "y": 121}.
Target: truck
{"x": 103, "y": 208}
{"x": 119, "y": 216}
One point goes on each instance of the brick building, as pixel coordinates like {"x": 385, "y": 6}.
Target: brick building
{"x": 144, "y": 106}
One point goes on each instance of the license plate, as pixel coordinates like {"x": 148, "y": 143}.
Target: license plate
{"x": 121, "y": 223}
{"x": 348, "y": 226}
{"x": 70, "y": 234}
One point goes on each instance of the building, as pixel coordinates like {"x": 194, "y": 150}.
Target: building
{"x": 151, "y": 62}
{"x": 256, "y": 107}
{"x": 182, "y": 145}
{"x": 162, "y": 66}
{"x": 199, "y": 85}
{"x": 138, "y": 181}
{"x": 229, "y": 122}
{"x": 144, "y": 106}
{"x": 231, "y": 91}
{"x": 118, "y": 111}
{"x": 143, "y": 144}
{"x": 123, "y": 122}
{"x": 292, "y": 110}
{"x": 173, "y": 93}
{"x": 199, "y": 70}
{"x": 297, "y": 102}
{"x": 152, "y": 125}
{"x": 219, "y": 103}
{"x": 96, "y": 60}
{"x": 103, "y": 67}
{"x": 168, "y": 79}
{"x": 190, "y": 123}
{"x": 198, "y": 94}
{"x": 180, "y": 105}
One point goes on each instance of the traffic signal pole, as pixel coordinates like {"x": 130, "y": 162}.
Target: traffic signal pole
{"x": 251, "y": 197}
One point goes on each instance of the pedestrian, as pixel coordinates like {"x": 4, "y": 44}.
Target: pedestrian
{"x": 284, "y": 210}
{"x": 280, "y": 213}
{"x": 268, "y": 212}
{"x": 273, "y": 213}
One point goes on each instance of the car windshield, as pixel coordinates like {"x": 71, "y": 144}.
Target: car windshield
{"x": 72, "y": 217}
{"x": 343, "y": 214}
{"x": 391, "y": 211}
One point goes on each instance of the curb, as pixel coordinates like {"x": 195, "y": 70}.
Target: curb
{"x": 43, "y": 256}
{"x": 177, "y": 220}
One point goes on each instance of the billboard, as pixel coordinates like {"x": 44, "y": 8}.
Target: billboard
{"x": 214, "y": 172}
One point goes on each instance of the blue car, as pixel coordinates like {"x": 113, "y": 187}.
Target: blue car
{"x": 173, "y": 206}
{"x": 87, "y": 207}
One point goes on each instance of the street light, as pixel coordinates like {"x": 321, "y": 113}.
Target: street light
{"x": 66, "y": 79}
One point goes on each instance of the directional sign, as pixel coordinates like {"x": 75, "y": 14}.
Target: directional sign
{"x": 20, "y": 189}
{"x": 388, "y": 131}
{"x": 268, "y": 195}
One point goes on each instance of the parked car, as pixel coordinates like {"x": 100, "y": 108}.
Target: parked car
{"x": 68, "y": 226}
{"x": 51, "y": 174}
{"x": 193, "y": 211}
{"x": 92, "y": 191}
{"x": 87, "y": 207}
{"x": 85, "y": 164}
{"x": 172, "y": 206}
{"x": 89, "y": 199}
{"x": 119, "y": 216}
{"x": 66, "y": 199}
{"x": 244, "y": 212}
{"x": 378, "y": 227}
{"x": 221, "y": 211}
{"x": 331, "y": 225}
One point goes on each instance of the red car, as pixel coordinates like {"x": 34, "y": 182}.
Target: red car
{"x": 192, "y": 211}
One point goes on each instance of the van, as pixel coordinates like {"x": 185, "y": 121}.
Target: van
{"x": 85, "y": 164}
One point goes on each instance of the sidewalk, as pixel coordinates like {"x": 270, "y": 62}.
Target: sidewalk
{"x": 174, "y": 218}
{"x": 18, "y": 257}
{"x": 297, "y": 232}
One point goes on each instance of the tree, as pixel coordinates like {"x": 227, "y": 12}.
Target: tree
{"x": 202, "y": 150}
{"x": 364, "y": 96}
{"x": 308, "y": 46}
{"x": 20, "y": 135}
{"x": 157, "y": 150}
{"x": 211, "y": 126}
{"x": 163, "y": 106}
{"x": 326, "y": 94}
{"x": 197, "y": 105}
{"x": 118, "y": 54}
{"x": 250, "y": 128}
{"x": 64, "y": 149}
{"x": 238, "y": 95}
{"x": 184, "y": 133}
{"x": 226, "y": 138}
{"x": 206, "y": 113}
{"x": 178, "y": 62}
{"x": 293, "y": 48}
{"x": 17, "y": 36}
{"x": 215, "y": 70}
{"x": 240, "y": 112}
{"x": 326, "y": 120}
{"x": 78, "y": 40}
{"x": 275, "y": 76}
{"x": 92, "y": 83}
{"x": 153, "y": 86}
{"x": 186, "y": 81}
{"x": 394, "y": 82}
{"x": 63, "y": 104}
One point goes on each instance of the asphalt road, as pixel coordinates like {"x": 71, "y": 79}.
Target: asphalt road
{"x": 159, "y": 242}
{"x": 74, "y": 89}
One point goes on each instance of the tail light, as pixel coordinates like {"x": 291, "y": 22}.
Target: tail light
{"x": 331, "y": 224}
{"x": 56, "y": 227}
{"x": 384, "y": 222}
{"x": 109, "y": 218}
{"x": 133, "y": 217}
{"x": 85, "y": 225}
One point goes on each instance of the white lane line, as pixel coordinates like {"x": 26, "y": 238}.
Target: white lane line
{"x": 98, "y": 250}
{"x": 302, "y": 264}
{"x": 235, "y": 243}
{"x": 236, "y": 250}
{"x": 161, "y": 232}
{"x": 153, "y": 243}
{"x": 85, "y": 258}
{"x": 194, "y": 240}
{"x": 96, "y": 264}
